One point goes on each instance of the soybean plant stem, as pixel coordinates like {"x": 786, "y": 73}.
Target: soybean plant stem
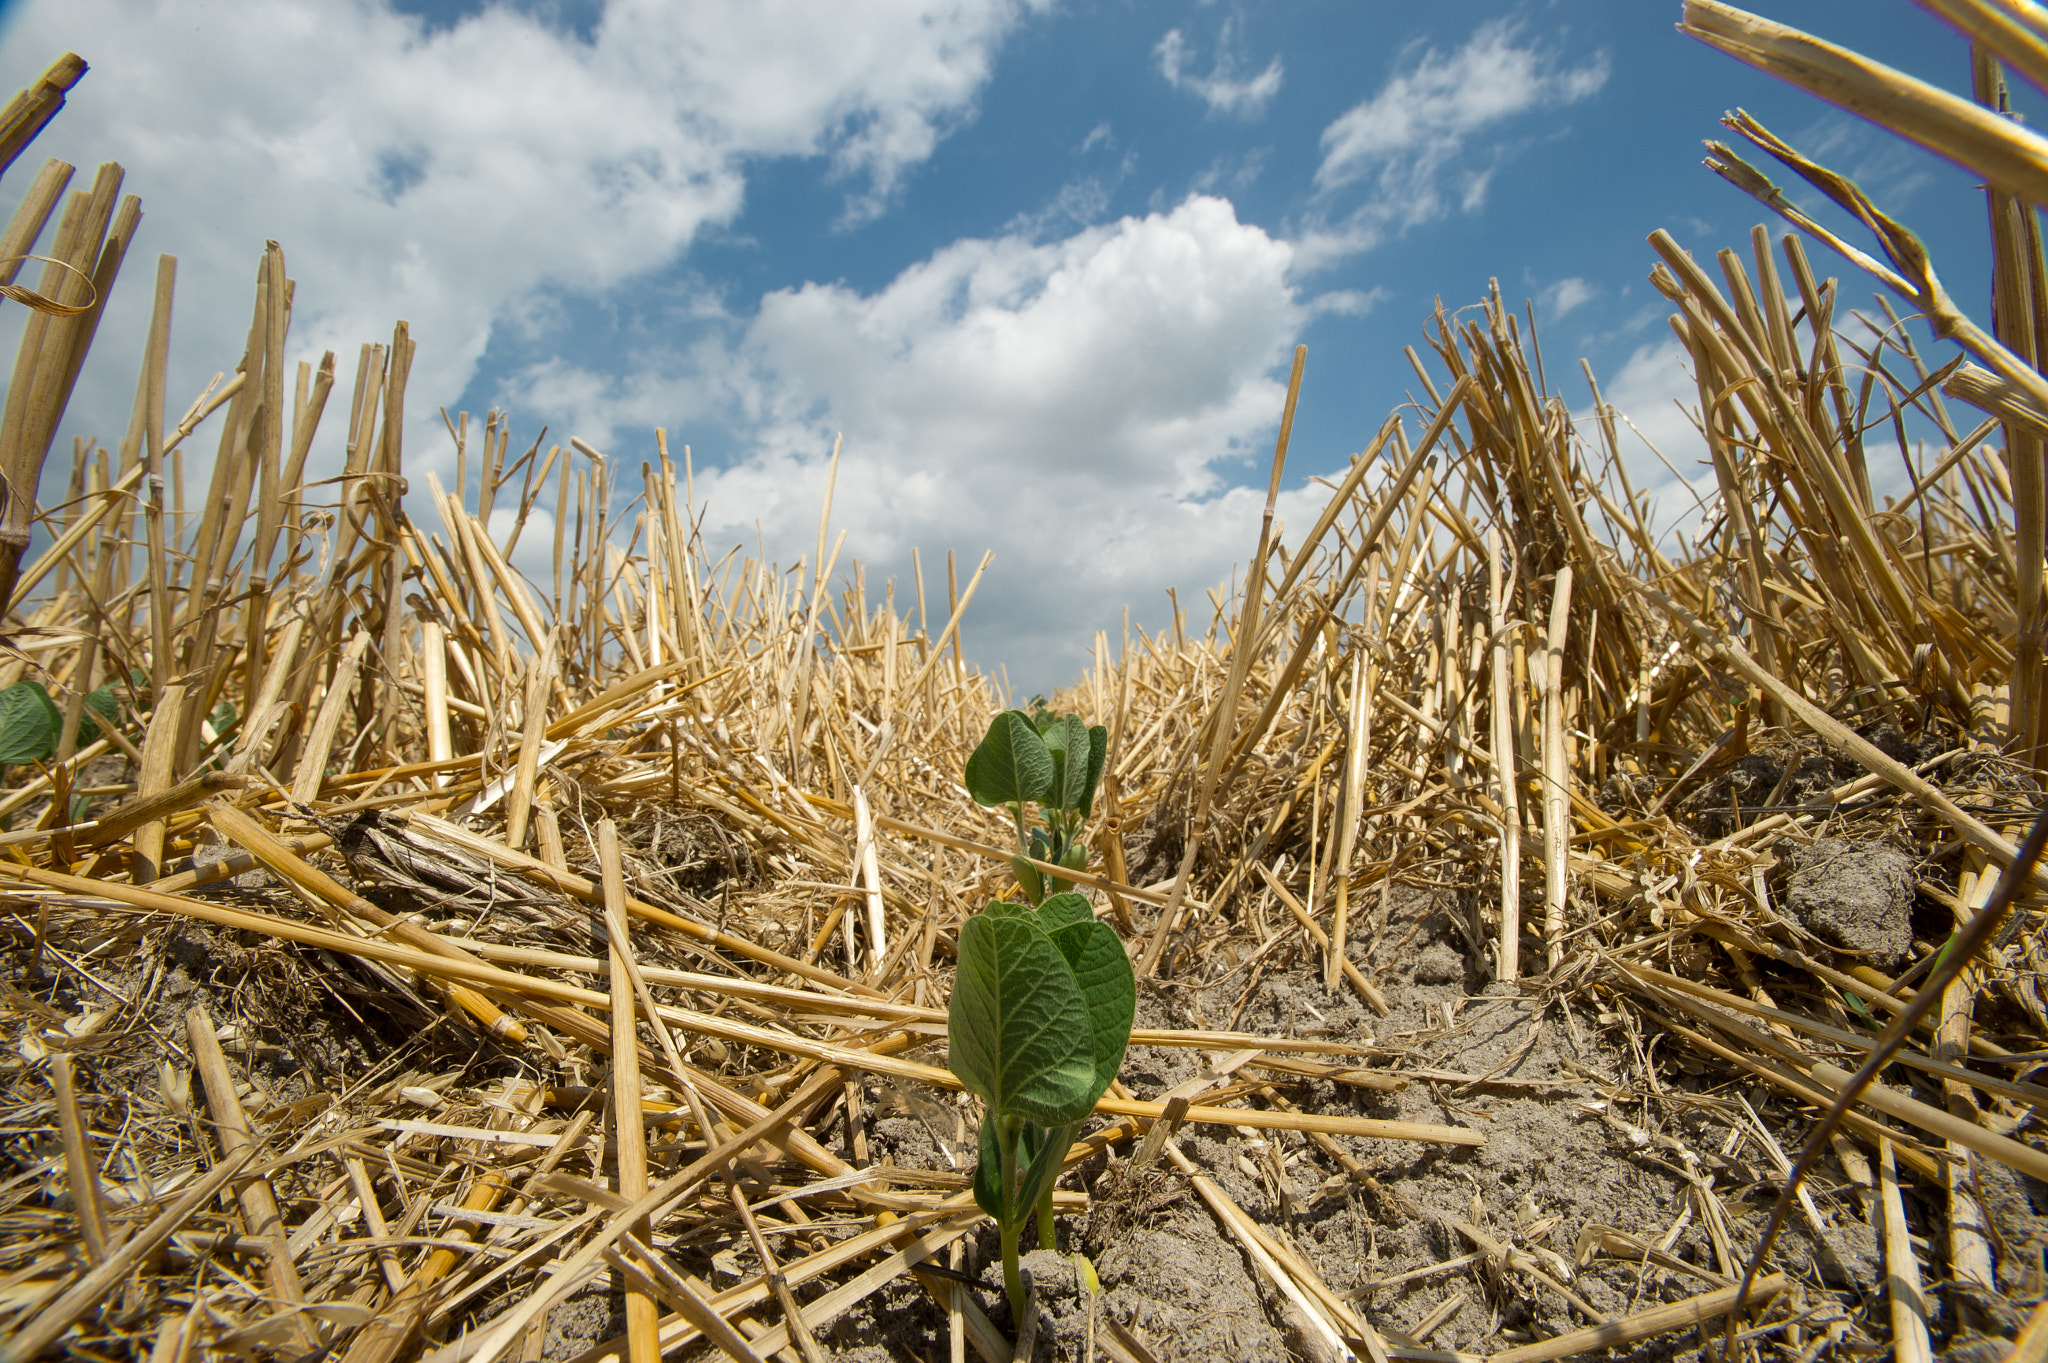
{"x": 1058, "y": 1140}
{"x": 1012, "y": 1223}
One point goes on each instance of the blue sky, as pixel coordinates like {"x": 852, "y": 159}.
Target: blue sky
{"x": 1042, "y": 263}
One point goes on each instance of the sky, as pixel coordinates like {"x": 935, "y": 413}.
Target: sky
{"x": 1041, "y": 263}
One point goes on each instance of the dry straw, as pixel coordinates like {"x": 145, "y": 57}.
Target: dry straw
{"x": 364, "y": 751}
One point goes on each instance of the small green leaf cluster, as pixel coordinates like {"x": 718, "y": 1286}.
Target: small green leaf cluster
{"x": 1053, "y": 762}
{"x": 31, "y": 722}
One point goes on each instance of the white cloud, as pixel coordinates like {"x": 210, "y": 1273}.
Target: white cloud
{"x": 1237, "y": 171}
{"x": 1655, "y": 391}
{"x": 1222, "y": 89}
{"x": 1350, "y": 302}
{"x": 1078, "y": 203}
{"x": 1566, "y": 296}
{"x": 1080, "y": 406}
{"x": 456, "y": 177}
{"x": 1413, "y": 143}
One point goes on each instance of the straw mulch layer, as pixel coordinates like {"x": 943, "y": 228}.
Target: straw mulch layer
{"x": 413, "y": 957}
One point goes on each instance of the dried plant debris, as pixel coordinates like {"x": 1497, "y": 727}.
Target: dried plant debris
{"x": 414, "y": 959}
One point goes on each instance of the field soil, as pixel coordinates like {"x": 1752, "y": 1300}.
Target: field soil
{"x": 1587, "y": 1135}
{"x": 1590, "y": 1136}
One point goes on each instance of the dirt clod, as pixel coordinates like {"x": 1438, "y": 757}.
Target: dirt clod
{"x": 1856, "y": 895}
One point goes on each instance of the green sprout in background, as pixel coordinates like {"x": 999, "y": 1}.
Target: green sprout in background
{"x": 1044, "y": 997}
{"x": 30, "y": 722}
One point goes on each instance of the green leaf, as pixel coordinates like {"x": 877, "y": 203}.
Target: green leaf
{"x": 1035, "y": 1165}
{"x": 1064, "y": 910}
{"x": 1019, "y": 1032}
{"x": 29, "y": 724}
{"x": 1011, "y": 765}
{"x": 1084, "y": 1269}
{"x": 1862, "y": 1011}
{"x": 1109, "y": 990}
{"x": 1098, "y": 750}
{"x": 1028, "y": 878}
{"x": 102, "y": 712}
{"x": 1045, "y": 1150}
{"x": 1067, "y": 741}
{"x": 988, "y": 1171}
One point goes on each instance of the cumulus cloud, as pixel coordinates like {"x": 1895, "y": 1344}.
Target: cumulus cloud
{"x": 1223, "y": 90}
{"x": 1417, "y": 146}
{"x": 1082, "y": 406}
{"x": 1078, "y": 405}
{"x": 456, "y": 177}
{"x": 1655, "y": 391}
{"x": 1566, "y": 296}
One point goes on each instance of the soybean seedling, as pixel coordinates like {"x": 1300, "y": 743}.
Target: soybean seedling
{"x": 1054, "y": 764}
{"x": 1044, "y": 996}
{"x": 1042, "y": 1007}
